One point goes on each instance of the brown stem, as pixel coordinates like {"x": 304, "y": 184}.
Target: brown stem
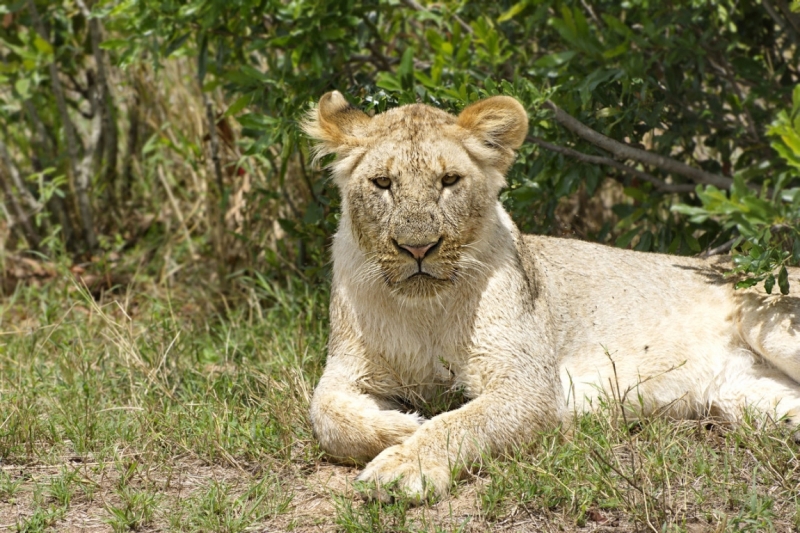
{"x": 47, "y": 145}
{"x": 723, "y": 248}
{"x": 212, "y": 134}
{"x": 130, "y": 149}
{"x": 46, "y": 139}
{"x": 107, "y": 149}
{"x": 22, "y": 218}
{"x": 624, "y": 151}
{"x": 81, "y": 179}
{"x": 16, "y": 180}
{"x": 218, "y": 229}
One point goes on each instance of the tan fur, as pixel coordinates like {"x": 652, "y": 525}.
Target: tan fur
{"x": 530, "y": 328}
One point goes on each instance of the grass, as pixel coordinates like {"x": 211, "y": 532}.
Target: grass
{"x": 150, "y": 410}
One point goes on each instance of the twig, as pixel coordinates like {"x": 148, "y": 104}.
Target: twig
{"x": 16, "y": 179}
{"x": 175, "y": 207}
{"x": 631, "y": 483}
{"x": 78, "y": 88}
{"x": 81, "y": 180}
{"x": 212, "y": 134}
{"x": 785, "y": 25}
{"x": 218, "y": 229}
{"x": 27, "y": 230}
{"x": 307, "y": 180}
{"x": 624, "y": 151}
{"x": 792, "y": 16}
{"x": 132, "y": 142}
{"x": 620, "y": 473}
{"x": 413, "y": 4}
{"x": 598, "y": 160}
{"x": 592, "y": 14}
{"x": 48, "y": 143}
{"x": 725, "y": 247}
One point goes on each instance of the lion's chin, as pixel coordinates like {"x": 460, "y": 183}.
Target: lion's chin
{"x": 420, "y": 285}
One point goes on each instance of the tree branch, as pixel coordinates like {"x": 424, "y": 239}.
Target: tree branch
{"x": 107, "y": 150}
{"x": 624, "y": 151}
{"x": 598, "y": 160}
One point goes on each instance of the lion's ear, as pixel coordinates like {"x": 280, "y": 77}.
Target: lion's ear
{"x": 334, "y": 124}
{"x": 499, "y": 122}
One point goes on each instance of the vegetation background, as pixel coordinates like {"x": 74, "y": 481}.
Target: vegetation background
{"x": 163, "y": 245}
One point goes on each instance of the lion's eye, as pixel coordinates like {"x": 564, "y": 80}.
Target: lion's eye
{"x": 450, "y": 179}
{"x": 382, "y": 182}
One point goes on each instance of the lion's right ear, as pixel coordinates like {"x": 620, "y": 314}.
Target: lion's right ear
{"x": 334, "y": 124}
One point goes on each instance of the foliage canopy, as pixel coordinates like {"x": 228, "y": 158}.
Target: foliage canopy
{"x": 709, "y": 85}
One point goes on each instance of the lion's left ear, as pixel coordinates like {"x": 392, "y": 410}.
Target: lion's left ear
{"x": 500, "y": 123}
{"x": 334, "y": 124}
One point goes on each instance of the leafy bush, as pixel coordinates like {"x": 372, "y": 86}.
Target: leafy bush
{"x": 676, "y": 119}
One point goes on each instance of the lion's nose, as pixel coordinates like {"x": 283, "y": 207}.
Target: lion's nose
{"x": 418, "y": 251}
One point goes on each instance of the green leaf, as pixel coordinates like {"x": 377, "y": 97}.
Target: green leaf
{"x": 406, "y": 62}
{"x": 42, "y": 46}
{"x": 238, "y": 105}
{"x": 693, "y": 243}
{"x": 176, "y": 43}
{"x": 113, "y": 44}
{"x": 625, "y": 239}
{"x": 121, "y": 7}
{"x": 23, "y": 86}
{"x": 783, "y": 280}
{"x": 515, "y": 10}
{"x": 554, "y": 60}
{"x": 389, "y": 82}
{"x": 746, "y": 283}
{"x": 435, "y": 39}
{"x": 645, "y": 242}
{"x": 769, "y": 283}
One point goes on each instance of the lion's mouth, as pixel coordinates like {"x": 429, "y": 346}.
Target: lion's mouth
{"x": 424, "y": 278}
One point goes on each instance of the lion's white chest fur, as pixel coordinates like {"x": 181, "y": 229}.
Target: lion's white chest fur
{"x": 424, "y": 344}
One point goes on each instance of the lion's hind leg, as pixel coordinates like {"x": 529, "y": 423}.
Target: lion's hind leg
{"x": 747, "y": 383}
{"x": 770, "y": 325}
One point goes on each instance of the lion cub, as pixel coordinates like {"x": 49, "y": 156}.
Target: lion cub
{"x": 434, "y": 288}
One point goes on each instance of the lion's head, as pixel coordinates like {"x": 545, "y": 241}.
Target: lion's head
{"x": 417, "y": 183}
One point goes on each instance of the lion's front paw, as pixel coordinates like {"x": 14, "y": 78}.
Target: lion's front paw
{"x": 398, "y": 471}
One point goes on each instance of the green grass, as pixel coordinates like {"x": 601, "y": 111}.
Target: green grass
{"x": 151, "y": 410}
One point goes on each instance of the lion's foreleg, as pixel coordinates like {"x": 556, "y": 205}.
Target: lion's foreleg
{"x": 353, "y": 426}
{"x": 448, "y": 444}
